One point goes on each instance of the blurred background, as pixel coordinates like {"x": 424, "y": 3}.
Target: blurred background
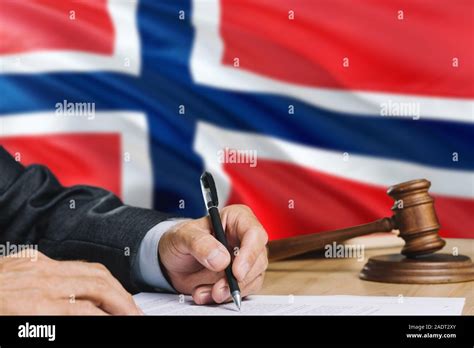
{"x": 306, "y": 110}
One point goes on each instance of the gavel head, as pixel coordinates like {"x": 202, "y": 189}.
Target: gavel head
{"x": 415, "y": 217}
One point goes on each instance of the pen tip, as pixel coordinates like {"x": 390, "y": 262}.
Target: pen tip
{"x": 237, "y": 299}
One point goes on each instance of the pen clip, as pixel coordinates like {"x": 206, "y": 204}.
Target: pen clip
{"x": 209, "y": 191}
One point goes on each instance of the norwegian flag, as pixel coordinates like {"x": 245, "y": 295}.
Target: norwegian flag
{"x": 306, "y": 110}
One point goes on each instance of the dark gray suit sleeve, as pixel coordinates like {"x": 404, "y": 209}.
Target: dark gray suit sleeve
{"x": 71, "y": 223}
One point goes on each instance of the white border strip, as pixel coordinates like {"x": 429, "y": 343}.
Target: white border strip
{"x": 125, "y": 59}
{"x": 137, "y": 175}
{"x": 207, "y": 69}
{"x": 365, "y": 169}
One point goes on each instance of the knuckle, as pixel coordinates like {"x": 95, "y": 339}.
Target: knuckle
{"x": 254, "y": 286}
{"x": 265, "y": 236}
{"x": 265, "y": 263}
{"x": 101, "y": 270}
{"x": 254, "y": 255}
{"x": 98, "y": 266}
{"x": 247, "y": 281}
{"x": 180, "y": 233}
{"x": 41, "y": 256}
{"x": 237, "y": 207}
{"x": 197, "y": 241}
{"x": 258, "y": 283}
{"x": 245, "y": 208}
{"x": 96, "y": 286}
{"x": 261, "y": 233}
{"x": 101, "y": 283}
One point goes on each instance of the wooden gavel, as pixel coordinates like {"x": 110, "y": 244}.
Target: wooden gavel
{"x": 414, "y": 216}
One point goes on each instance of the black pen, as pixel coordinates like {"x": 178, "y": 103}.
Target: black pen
{"x": 209, "y": 193}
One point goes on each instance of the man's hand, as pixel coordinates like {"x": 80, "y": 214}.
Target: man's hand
{"x": 195, "y": 261}
{"x": 40, "y": 285}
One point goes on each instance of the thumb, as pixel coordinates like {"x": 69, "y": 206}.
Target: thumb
{"x": 207, "y": 250}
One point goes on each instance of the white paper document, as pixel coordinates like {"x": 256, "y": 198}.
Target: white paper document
{"x": 171, "y": 304}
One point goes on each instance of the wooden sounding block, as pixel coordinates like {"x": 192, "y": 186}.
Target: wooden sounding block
{"x": 428, "y": 269}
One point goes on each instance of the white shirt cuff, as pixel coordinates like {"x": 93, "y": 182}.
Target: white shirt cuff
{"x": 147, "y": 269}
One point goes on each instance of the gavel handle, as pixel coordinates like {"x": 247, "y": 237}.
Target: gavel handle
{"x": 288, "y": 247}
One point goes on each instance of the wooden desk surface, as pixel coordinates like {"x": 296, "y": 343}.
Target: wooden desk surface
{"x": 319, "y": 276}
